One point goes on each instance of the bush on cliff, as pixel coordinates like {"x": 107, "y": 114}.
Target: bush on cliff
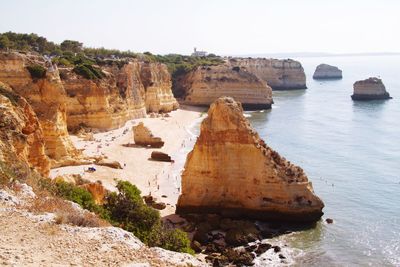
{"x": 88, "y": 71}
{"x": 125, "y": 209}
{"x": 37, "y": 71}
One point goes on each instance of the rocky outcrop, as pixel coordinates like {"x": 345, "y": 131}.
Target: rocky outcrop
{"x": 160, "y": 156}
{"x": 157, "y": 85}
{"x": 143, "y": 137}
{"x": 280, "y": 74}
{"x": 21, "y": 137}
{"x": 105, "y": 103}
{"x": 370, "y": 89}
{"x": 325, "y": 71}
{"x": 126, "y": 92}
{"x": 47, "y": 97}
{"x": 206, "y": 84}
{"x": 231, "y": 171}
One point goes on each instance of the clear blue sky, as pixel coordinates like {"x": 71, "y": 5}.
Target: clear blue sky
{"x": 218, "y": 26}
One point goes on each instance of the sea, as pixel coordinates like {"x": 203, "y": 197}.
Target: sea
{"x": 351, "y": 153}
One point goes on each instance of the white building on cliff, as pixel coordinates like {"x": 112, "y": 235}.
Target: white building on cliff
{"x": 199, "y": 53}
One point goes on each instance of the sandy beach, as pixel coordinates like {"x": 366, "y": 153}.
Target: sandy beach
{"x": 161, "y": 179}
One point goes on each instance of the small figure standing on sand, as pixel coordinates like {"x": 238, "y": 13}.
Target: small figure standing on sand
{"x": 158, "y": 187}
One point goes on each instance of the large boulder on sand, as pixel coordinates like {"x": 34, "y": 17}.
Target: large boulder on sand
{"x": 232, "y": 172}
{"x": 370, "y": 89}
{"x": 325, "y": 71}
{"x": 143, "y": 137}
{"x": 109, "y": 163}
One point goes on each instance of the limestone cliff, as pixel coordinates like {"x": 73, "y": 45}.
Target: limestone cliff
{"x": 157, "y": 84}
{"x": 233, "y": 172}
{"x": 106, "y": 103}
{"x": 47, "y": 97}
{"x": 370, "y": 89}
{"x": 206, "y": 84}
{"x": 21, "y": 137}
{"x": 280, "y": 74}
{"x": 125, "y": 93}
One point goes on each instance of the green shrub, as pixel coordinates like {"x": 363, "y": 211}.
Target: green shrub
{"x": 88, "y": 72}
{"x": 37, "y": 71}
{"x": 127, "y": 209}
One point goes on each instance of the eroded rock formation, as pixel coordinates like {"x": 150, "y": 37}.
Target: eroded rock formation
{"x": 143, "y": 137}
{"x": 157, "y": 85}
{"x": 280, "y": 74}
{"x": 233, "y": 172}
{"x": 126, "y": 92}
{"x": 206, "y": 84}
{"x": 370, "y": 89}
{"x": 325, "y": 71}
{"x": 47, "y": 98}
{"x": 21, "y": 137}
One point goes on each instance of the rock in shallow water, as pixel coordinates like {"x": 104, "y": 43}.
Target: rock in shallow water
{"x": 370, "y": 89}
{"x": 232, "y": 172}
{"x": 325, "y": 71}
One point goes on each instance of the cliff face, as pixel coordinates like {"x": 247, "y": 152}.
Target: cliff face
{"x": 206, "y": 84}
{"x": 47, "y": 98}
{"x": 101, "y": 104}
{"x": 125, "y": 93}
{"x": 325, "y": 71}
{"x": 21, "y": 137}
{"x": 370, "y": 89}
{"x": 233, "y": 172}
{"x": 157, "y": 84}
{"x": 280, "y": 74}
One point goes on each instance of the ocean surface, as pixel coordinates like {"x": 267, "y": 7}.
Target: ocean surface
{"x": 351, "y": 153}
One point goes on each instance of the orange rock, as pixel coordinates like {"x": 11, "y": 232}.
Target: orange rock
{"x": 233, "y": 172}
{"x": 21, "y": 137}
{"x": 143, "y": 137}
{"x": 98, "y": 192}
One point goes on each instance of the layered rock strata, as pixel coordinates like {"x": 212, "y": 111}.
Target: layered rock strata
{"x": 157, "y": 84}
{"x": 280, "y": 74}
{"x": 370, "y": 89}
{"x": 231, "y": 171}
{"x": 206, "y": 84}
{"x": 143, "y": 137}
{"x": 127, "y": 92}
{"x": 325, "y": 72}
{"x": 47, "y": 97}
{"x": 21, "y": 137}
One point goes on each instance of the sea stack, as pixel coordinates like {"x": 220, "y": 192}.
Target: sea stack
{"x": 232, "y": 172}
{"x": 326, "y": 72}
{"x": 370, "y": 89}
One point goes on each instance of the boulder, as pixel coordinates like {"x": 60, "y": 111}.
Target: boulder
{"x": 159, "y": 205}
{"x": 143, "y": 137}
{"x": 97, "y": 190}
{"x": 109, "y": 163}
{"x": 160, "y": 156}
{"x": 325, "y": 71}
{"x": 232, "y": 172}
{"x": 370, "y": 89}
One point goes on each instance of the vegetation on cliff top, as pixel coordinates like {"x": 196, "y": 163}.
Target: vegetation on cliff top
{"x": 124, "y": 208}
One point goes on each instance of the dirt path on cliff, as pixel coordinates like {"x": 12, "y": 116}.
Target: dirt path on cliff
{"x": 158, "y": 178}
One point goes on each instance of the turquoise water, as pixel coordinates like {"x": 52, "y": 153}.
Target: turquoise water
{"x": 351, "y": 153}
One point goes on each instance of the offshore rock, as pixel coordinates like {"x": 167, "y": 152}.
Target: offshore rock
{"x": 232, "y": 172}
{"x": 326, "y": 72}
{"x": 370, "y": 89}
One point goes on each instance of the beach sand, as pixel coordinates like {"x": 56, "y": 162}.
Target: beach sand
{"x": 158, "y": 178}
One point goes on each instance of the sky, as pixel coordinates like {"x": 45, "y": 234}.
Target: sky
{"x": 224, "y": 27}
